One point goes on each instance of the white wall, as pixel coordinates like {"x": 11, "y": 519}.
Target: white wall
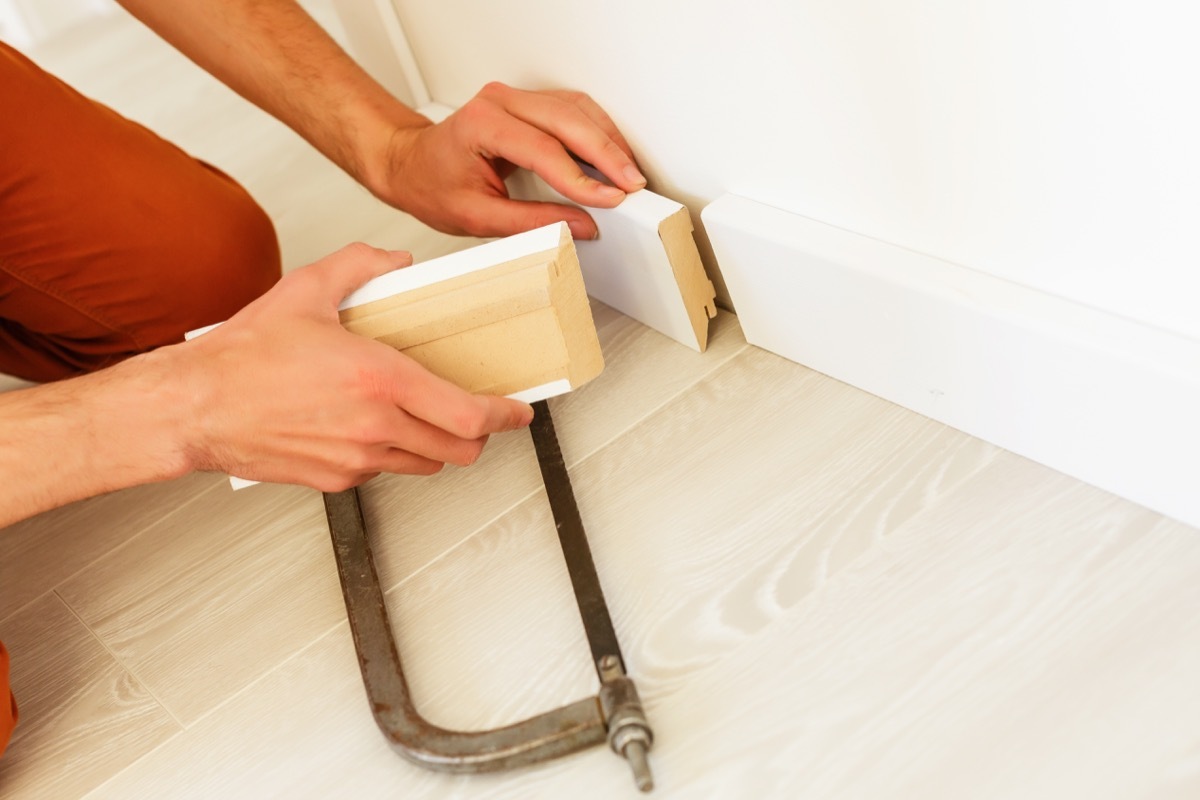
{"x": 25, "y": 23}
{"x": 1049, "y": 142}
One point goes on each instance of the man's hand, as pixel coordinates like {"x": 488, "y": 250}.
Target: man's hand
{"x": 451, "y": 175}
{"x": 285, "y": 394}
{"x": 281, "y": 392}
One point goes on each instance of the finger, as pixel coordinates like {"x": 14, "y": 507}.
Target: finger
{"x": 402, "y": 462}
{"x": 597, "y": 114}
{"x": 571, "y": 124}
{"x": 447, "y": 407}
{"x": 527, "y": 146}
{"x": 340, "y": 273}
{"x": 425, "y": 440}
{"x": 500, "y": 216}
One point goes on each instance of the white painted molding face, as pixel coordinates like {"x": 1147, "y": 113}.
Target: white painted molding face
{"x": 1104, "y": 399}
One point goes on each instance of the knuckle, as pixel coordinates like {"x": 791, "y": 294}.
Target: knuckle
{"x": 547, "y": 150}
{"x": 475, "y": 112}
{"x": 371, "y": 432}
{"x": 361, "y": 250}
{"x": 470, "y": 425}
{"x": 472, "y": 428}
{"x": 494, "y": 89}
{"x": 614, "y": 149}
{"x": 574, "y": 96}
{"x": 355, "y": 461}
{"x": 401, "y": 392}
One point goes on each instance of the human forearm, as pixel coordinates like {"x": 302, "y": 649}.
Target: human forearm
{"x": 275, "y": 55}
{"x": 281, "y": 392}
{"x": 74, "y": 439}
{"x": 449, "y": 175}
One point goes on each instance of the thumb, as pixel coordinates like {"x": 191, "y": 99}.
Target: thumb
{"x": 345, "y": 270}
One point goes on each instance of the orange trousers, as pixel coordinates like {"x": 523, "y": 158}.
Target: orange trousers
{"x": 112, "y": 241}
{"x": 8, "y": 704}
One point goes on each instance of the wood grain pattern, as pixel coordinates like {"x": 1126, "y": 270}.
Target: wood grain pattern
{"x": 421, "y": 519}
{"x": 47, "y": 549}
{"x": 83, "y": 717}
{"x": 202, "y": 603}
{"x": 1099, "y": 396}
{"x": 1026, "y": 637}
{"x": 821, "y": 594}
{"x": 677, "y": 593}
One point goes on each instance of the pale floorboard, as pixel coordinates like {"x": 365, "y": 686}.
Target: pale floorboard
{"x": 819, "y": 593}
{"x": 88, "y": 717}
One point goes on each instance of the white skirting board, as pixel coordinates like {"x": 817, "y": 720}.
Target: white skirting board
{"x": 1104, "y": 399}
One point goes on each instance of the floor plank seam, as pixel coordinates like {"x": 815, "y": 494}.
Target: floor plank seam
{"x": 17, "y": 611}
{"x": 716, "y": 367}
{"x": 246, "y": 690}
{"x": 119, "y": 662}
{"x": 125, "y": 543}
{"x": 342, "y": 623}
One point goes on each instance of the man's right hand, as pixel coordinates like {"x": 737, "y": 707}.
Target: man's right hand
{"x": 283, "y": 393}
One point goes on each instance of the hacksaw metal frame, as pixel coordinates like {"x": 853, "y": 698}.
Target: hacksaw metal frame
{"x": 614, "y": 715}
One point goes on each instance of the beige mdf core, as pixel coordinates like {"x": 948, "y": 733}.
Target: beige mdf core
{"x": 500, "y": 328}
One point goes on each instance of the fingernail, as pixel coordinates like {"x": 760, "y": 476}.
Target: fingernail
{"x": 634, "y": 176}
{"x": 527, "y": 417}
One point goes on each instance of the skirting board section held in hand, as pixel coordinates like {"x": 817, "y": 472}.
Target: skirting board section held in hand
{"x": 510, "y": 317}
{"x": 1101, "y": 398}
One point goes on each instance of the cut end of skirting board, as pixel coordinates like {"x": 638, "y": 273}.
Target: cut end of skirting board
{"x": 645, "y": 262}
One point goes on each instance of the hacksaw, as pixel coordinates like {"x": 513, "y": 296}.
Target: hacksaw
{"x": 509, "y": 317}
{"x": 614, "y": 715}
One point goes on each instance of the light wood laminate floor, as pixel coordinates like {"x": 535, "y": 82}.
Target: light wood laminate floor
{"x": 820, "y": 594}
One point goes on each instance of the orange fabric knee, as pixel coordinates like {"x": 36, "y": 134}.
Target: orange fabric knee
{"x": 114, "y": 241}
{"x": 8, "y": 703}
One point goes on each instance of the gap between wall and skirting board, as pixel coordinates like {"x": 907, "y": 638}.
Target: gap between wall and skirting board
{"x": 1105, "y": 399}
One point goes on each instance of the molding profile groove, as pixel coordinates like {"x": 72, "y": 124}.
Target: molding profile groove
{"x": 503, "y": 318}
{"x": 1099, "y": 397}
{"x": 510, "y": 317}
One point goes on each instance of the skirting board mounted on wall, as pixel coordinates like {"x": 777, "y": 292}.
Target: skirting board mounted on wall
{"x": 1099, "y": 397}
